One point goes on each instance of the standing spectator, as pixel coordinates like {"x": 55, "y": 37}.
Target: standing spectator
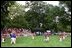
{"x": 47, "y": 34}
{"x": 60, "y": 36}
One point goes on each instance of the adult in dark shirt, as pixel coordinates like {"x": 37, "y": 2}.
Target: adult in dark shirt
{"x": 13, "y": 37}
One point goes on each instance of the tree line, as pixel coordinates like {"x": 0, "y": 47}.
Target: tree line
{"x": 40, "y": 15}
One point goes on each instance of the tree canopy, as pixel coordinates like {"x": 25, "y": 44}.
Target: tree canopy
{"x": 40, "y": 15}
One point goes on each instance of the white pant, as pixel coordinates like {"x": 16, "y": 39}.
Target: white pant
{"x": 60, "y": 39}
{"x": 13, "y": 40}
{"x": 63, "y": 37}
{"x": 32, "y": 37}
{"x": 2, "y": 39}
{"x": 47, "y": 39}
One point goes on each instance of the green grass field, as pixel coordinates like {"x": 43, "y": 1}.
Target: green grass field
{"x": 38, "y": 42}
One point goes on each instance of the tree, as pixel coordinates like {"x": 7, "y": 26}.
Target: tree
{"x": 16, "y": 16}
{"x": 36, "y": 13}
{"x": 39, "y": 13}
{"x": 4, "y": 11}
{"x": 66, "y": 19}
{"x": 66, "y": 4}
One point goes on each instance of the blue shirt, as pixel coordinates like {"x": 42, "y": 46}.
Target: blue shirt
{"x": 12, "y": 35}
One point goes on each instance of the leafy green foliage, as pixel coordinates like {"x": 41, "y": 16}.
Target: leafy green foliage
{"x": 14, "y": 15}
